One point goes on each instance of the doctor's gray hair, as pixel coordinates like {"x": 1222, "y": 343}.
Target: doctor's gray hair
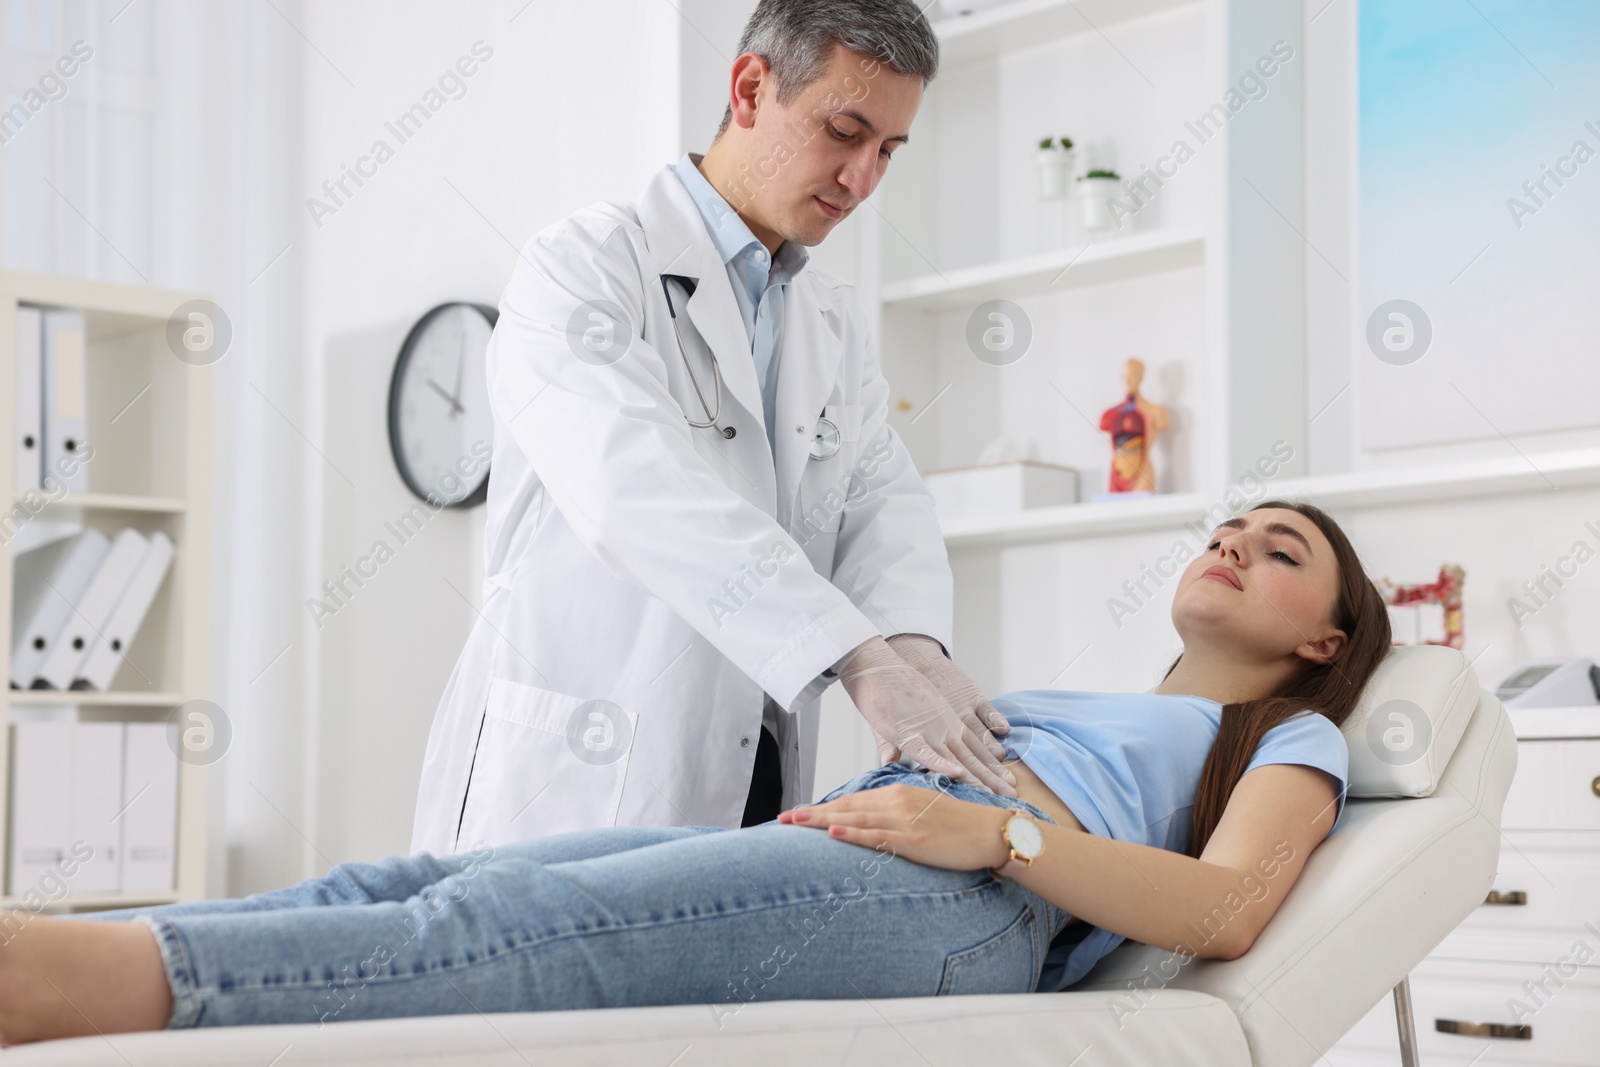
{"x": 796, "y": 39}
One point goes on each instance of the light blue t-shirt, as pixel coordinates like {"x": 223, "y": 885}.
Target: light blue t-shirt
{"x": 1127, "y": 764}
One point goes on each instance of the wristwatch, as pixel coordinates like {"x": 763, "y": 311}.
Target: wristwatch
{"x": 1025, "y": 841}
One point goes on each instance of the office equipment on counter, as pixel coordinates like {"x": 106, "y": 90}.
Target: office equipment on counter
{"x": 29, "y": 440}
{"x": 1552, "y": 683}
{"x": 66, "y": 404}
{"x": 111, "y": 644}
{"x": 89, "y": 615}
{"x": 46, "y": 583}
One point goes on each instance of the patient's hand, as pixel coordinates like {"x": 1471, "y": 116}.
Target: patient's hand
{"x": 923, "y": 825}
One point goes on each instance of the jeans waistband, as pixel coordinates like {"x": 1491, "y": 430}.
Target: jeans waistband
{"x": 899, "y": 774}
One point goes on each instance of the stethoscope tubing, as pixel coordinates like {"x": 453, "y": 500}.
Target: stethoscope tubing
{"x": 716, "y": 376}
{"x": 683, "y": 352}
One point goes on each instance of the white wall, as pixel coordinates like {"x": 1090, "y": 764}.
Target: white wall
{"x": 575, "y": 105}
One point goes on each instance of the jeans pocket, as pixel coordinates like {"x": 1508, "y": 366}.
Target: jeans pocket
{"x": 1005, "y": 963}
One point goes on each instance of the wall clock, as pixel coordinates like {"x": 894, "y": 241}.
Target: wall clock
{"x": 441, "y": 430}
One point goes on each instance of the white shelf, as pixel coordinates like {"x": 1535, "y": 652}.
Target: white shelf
{"x": 1069, "y": 521}
{"x": 985, "y": 35}
{"x": 1540, "y": 472}
{"x": 1110, "y": 260}
{"x": 87, "y": 698}
{"x": 113, "y": 502}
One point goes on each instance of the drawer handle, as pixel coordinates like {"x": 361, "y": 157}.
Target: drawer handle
{"x": 1595, "y": 785}
{"x": 1511, "y": 1030}
{"x": 1510, "y": 896}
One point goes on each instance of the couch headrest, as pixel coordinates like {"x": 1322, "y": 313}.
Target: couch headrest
{"x": 1411, "y": 715}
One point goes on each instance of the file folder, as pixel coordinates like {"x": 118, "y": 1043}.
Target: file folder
{"x": 97, "y": 799}
{"x": 29, "y": 442}
{"x": 48, "y": 581}
{"x": 66, "y": 407}
{"x": 41, "y": 808}
{"x": 106, "y": 655}
{"x": 89, "y": 615}
{"x": 150, "y": 809}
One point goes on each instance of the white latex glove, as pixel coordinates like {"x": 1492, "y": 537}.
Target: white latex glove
{"x": 953, "y": 683}
{"x": 906, "y": 711}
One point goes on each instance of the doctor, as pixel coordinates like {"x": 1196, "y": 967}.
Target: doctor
{"x": 699, "y": 516}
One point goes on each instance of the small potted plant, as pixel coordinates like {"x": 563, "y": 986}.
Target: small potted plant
{"x": 1054, "y": 162}
{"x": 1095, "y": 190}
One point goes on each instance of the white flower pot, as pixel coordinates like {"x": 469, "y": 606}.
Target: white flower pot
{"x": 1094, "y": 196}
{"x": 1055, "y": 172}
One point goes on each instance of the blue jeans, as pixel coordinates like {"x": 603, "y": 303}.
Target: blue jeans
{"x": 615, "y": 917}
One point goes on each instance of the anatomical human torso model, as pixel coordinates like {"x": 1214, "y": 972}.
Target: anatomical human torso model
{"x": 1133, "y": 426}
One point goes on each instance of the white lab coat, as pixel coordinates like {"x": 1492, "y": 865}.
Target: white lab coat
{"x": 639, "y": 562}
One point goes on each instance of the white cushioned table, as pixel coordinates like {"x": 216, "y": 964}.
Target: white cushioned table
{"x": 1405, "y": 867}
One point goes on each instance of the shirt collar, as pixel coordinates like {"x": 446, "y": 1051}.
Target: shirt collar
{"x": 728, "y": 231}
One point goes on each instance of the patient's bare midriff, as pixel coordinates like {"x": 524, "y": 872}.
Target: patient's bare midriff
{"x": 1035, "y": 792}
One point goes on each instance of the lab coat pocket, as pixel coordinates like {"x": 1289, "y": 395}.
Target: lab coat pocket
{"x": 545, "y": 763}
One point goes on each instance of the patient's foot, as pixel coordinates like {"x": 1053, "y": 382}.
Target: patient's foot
{"x": 61, "y": 978}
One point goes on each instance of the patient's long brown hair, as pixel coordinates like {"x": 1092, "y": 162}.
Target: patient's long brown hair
{"x": 1331, "y": 689}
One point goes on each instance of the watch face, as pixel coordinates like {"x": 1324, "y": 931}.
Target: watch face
{"x": 440, "y": 426}
{"x": 1025, "y": 836}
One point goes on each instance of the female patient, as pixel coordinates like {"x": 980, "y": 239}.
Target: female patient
{"x": 1179, "y": 818}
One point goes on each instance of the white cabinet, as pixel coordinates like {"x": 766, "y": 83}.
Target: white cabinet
{"x": 1519, "y": 980}
{"x": 148, "y": 419}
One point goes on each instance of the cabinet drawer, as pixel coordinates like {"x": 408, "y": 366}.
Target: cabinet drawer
{"x": 1563, "y": 1024}
{"x": 1556, "y": 877}
{"x": 1554, "y": 787}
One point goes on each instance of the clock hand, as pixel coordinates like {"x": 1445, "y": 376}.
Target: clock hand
{"x": 440, "y": 390}
{"x": 461, "y": 364}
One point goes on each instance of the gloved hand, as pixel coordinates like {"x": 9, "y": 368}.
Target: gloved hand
{"x": 906, "y": 710}
{"x": 953, "y": 683}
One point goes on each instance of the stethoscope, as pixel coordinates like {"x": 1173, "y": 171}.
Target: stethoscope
{"x": 824, "y": 440}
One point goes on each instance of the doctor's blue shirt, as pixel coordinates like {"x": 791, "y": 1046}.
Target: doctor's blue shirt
{"x": 758, "y": 279}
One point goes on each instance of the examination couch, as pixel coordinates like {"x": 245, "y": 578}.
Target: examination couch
{"x": 1416, "y": 853}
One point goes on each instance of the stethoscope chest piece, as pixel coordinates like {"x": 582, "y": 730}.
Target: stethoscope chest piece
{"x": 825, "y": 441}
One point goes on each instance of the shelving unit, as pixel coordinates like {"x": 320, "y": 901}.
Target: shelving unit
{"x": 149, "y": 423}
{"x": 114, "y": 502}
{"x": 1204, "y": 283}
{"x": 1575, "y": 469}
{"x": 1111, "y": 260}
{"x": 959, "y": 222}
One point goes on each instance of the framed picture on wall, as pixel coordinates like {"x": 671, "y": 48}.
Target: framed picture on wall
{"x": 1479, "y": 204}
